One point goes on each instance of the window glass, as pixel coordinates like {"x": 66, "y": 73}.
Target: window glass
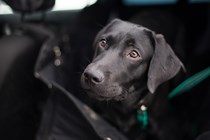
{"x": 60, "y": 5}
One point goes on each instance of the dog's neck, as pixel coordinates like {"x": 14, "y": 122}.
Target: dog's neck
{"x": 132, "y": 101}
{"x": 123, "y": 113}
{"x": 137, "y": 92}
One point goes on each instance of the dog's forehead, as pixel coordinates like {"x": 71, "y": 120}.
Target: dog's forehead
{"x": 123, "y": 31}
{"x": 127, "y": 28}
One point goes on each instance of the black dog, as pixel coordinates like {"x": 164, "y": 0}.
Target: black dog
{"x": 129, "y": 65}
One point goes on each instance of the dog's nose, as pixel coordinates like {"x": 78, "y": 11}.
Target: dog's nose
{"x": 95, "y": 77}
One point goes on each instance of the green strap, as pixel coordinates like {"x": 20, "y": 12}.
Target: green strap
{"x": 142, "y": 116}
{"x": 190, "y": 83}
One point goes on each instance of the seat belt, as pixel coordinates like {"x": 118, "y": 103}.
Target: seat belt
{"x": 190, "y": 82}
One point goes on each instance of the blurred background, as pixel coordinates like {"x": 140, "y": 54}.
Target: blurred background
{"x": 69, "y": 26}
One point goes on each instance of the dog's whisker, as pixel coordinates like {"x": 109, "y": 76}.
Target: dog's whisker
{"x": 100, "y": 25}
{"x": 125, "y": 90}
{"x": 87, "y": 59}
{"x": 82, "y": 67}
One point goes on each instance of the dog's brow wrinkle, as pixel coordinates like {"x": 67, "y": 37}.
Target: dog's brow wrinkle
{"x": 130, "y": 41}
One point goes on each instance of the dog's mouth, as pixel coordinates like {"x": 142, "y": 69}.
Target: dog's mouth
{"x": 105, "y": 92}
{"x": 102, "y": 97}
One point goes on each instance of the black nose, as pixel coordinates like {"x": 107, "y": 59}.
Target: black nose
{"x": 95, "y": 77}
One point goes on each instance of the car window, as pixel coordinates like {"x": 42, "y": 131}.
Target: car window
{"x": 60, "y": 5}
{"x": 4, "y": 8}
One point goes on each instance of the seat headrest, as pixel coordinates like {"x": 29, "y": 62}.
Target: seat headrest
{"x": 30, "y": 6}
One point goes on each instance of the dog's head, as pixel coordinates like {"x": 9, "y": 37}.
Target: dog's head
{"x": 127, "y": 58}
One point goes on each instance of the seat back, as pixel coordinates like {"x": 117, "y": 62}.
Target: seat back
{"x": 20, "y": 92}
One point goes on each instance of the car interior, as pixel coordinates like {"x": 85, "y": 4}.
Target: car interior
{"x": 59, "y": 34}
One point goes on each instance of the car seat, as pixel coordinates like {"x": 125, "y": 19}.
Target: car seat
{"x": 19, "y": 90}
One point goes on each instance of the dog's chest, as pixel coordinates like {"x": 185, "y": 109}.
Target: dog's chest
{"x": 118, "y": 115}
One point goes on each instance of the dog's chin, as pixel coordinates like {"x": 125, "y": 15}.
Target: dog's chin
{"x": 102, "y": 96}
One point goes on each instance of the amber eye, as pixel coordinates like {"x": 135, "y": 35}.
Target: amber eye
{"x": 102, "y": 43}
{"x": 134, "y": 54}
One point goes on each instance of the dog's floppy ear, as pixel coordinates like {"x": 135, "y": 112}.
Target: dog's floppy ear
{"x": 164, "y": 64}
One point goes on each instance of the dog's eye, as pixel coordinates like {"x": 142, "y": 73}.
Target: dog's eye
{"x": 102, "y": 43}
{"x": 134, "y": 54}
